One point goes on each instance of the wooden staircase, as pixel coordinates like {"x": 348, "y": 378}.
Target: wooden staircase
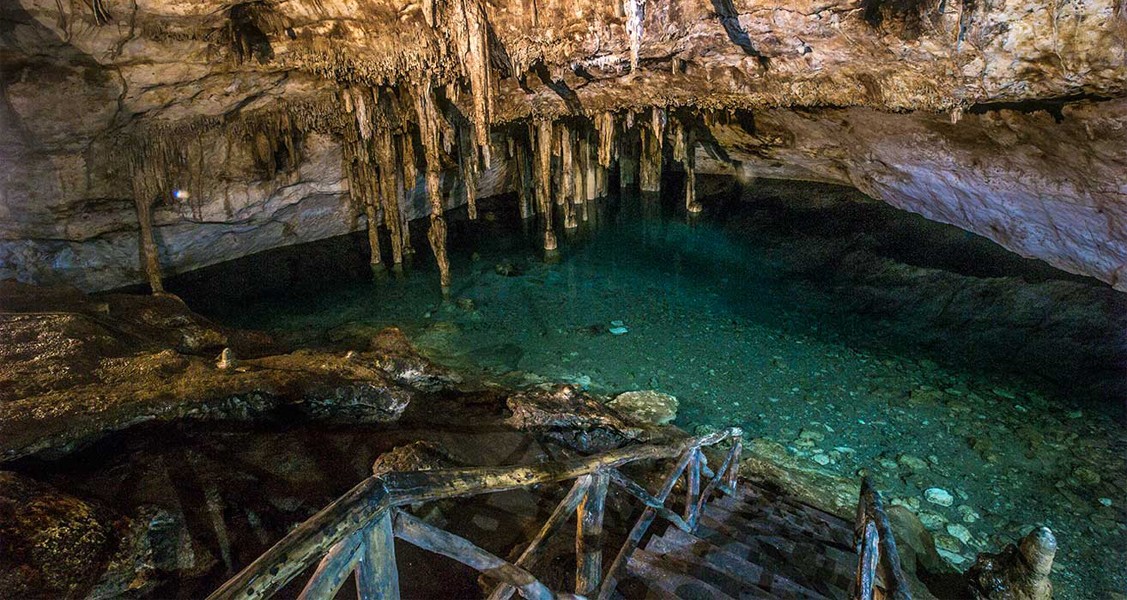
{"x": 730, "y": 540}
{"x": 753, "y": 544}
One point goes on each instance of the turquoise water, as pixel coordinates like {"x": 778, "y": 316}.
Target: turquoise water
{"x": 809, "y": 317}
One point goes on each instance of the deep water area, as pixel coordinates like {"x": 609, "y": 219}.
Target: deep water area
{"x": 843, "y": 335}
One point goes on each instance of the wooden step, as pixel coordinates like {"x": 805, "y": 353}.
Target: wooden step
{"x": 670, "y": 578}
{"x": 755, "y": 580}
{"x": 809, "y": 522}
{"x": 803, "y": 563}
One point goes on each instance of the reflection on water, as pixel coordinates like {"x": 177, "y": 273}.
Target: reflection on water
{"x": 843, "y": 333}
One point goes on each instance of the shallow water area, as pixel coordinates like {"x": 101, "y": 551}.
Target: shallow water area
{"x": 841, "y": 334}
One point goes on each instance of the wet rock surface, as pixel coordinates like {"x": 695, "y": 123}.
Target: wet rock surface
{"x": 571, "y": 417}
{"x": 76, "y": 368}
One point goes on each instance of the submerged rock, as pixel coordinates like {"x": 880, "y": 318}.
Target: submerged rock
{"x": 1018, "y": 572}
{"x": 646, "y": 406}
{"x": 570, "y": 417}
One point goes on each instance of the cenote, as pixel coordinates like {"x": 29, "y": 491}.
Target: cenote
{"x": 599, "y": 300}
{"x": 845, "y": 336}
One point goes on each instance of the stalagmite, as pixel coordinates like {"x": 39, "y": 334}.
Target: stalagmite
{"x": 543, "y": 152}
{"x": 635, "y": 16}
{"x": 428, "y": 118}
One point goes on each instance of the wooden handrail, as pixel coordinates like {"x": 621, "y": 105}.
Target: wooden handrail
{"x": 876, "y": 549}
{"x": 372, "y": 498}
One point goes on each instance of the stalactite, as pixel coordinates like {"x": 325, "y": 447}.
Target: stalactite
{"x": 429, "y": 128}
{"x": 525, "y": 187}
{"x": 543, "y": 152}
{"x": 684, "y": 151}
{"x": 604, "y": 124}
{"x": 407, "y": 161}
{"x": 150, "y": 260}
{"x": 467, "y": 160}
{"x": 465, "y": 25}
{"x": 565, "y": 192}
{"x": 635, "y": 16}
{"x": 591, "y": 177}
{"x": 389, "y": 192}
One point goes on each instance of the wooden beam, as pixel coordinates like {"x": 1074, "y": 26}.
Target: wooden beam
{"x": 559, "y": 516}
{"x": 462, "y": 550}
{"x": 868, "y": 556}
{"x": 589, "y": 536}
{"x": 333, "y": 570}
{"x": 425, "y": 486}
{"x": 310, "y": 540}
{"x": 692, "y": 486}
{"x": 640, "y": 528}
{"x": 870, "y": 509}
{"x": 377, "y": 577}
{"x": 649, "y": 500}
{"x": 713, "y": 481}
{"x": 734, "y": 471}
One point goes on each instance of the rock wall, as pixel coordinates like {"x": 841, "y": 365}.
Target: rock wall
{"x": 897, "y": 99}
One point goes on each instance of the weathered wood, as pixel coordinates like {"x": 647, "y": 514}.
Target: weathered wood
{"x": 424, "y": 486}
{"x": 589, "y": 536}
{"x": 713, "y": 482}
{"x": 310, "y": 540}
{"x": 649, "y": 500}
{"x": 377, "y": 577}
{"x": 333, "y": 569}
{"x": 870, "y": 509}
{"x": 610, "y": 580}
{"x": 559, "y": 516}
{"x": 352, "y": 511}
{"x": 462, "y": 550}
{"x": 692, "y": 486}
{"x": 734, "y": 471}
{"x": 868, "y": 557}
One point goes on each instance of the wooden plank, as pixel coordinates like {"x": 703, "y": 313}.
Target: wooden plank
{"x": 310, "y": 540}
{"x": 868, "y": 557}
{"x": 423, "y": 486}
{"x": 648, "y": 499}
{"x": 462, "y": 550}
{"x": 560, "y": 515}
{"x": 871, "y": 508}
{"x": 589, "y": 536}
{"x": 640, "y": 528}
{"x": 377, "y": 576}
{"x": 692, "y": 486}
{"x": 333, "y": 570}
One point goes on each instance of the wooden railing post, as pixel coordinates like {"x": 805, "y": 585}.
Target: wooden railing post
{"x": 692, "y": 487}
{"x": 640, "y": 528}
{"x": 873, "y": 523}
{"x": 377, "y": 576}
{"x": 589, "y": 536}
{"x": 734, "y": 469}
{"x": 868, "y": 556}
{"x": 563, "y": 511}
{"x": 334, "y": 569}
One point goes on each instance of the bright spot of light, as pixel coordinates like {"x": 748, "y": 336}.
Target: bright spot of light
{"x": 181, "y": 194}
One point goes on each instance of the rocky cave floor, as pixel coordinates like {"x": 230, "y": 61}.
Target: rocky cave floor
{"x": 114, "y": 410}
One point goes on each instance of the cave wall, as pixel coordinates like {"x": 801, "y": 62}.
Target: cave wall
{"x": 896, "y": 99}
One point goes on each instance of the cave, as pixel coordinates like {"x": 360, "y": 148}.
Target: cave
{"x": 645, "y": 299}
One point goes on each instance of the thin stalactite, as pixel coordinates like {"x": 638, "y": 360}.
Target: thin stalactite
{"x": 429, "y": 132}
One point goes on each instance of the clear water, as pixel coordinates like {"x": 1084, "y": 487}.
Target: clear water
{"x": 743, "y": 336}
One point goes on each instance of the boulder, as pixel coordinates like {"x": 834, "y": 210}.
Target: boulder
{"x": 646, "y": 406}
{"x": 1018, "y": 572}
{"x": 416, "y": 456}
{"x": 570, "y": 417}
